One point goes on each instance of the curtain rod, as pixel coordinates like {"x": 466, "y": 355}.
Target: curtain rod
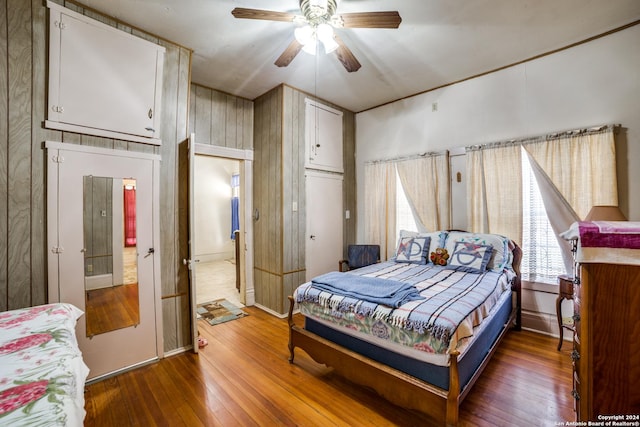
{"x": 546, "y": 137}
{"x": 410, "y": 157}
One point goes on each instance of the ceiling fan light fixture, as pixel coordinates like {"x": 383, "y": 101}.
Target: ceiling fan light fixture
{"x": 310, "y": 47}
{"x": 316, "y": 25}
{"x": 304, "y": 35}
{"x": 324, "y": 33}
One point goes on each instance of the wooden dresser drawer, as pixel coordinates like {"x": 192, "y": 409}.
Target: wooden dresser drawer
{"x": 577, "y": 324}
{"x": 575, "y": 394}
{"x": 575, "y": 357}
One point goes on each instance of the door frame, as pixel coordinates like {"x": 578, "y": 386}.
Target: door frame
{"x": 245, "y": 157}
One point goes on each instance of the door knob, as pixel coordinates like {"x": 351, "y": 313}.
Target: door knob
{"x": 312, "y": 237}
{"x": 149, "y": 252}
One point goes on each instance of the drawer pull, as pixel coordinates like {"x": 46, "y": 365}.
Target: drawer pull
{"x": 575, "y": 355}
{"x": 575, "y": 394}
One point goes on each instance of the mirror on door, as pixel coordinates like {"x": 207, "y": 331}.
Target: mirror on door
{"x": 110, "y": 254}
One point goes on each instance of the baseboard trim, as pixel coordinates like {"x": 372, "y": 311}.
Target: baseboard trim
{"x": 270, "y": 311}
{"x": 543, "y": 323}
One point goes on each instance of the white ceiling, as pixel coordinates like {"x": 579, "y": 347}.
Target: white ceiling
{"x": 438, "y": 42}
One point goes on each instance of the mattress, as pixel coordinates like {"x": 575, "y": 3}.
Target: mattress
{"x": 382, "y": 328}
{"x": 396, "y": 356}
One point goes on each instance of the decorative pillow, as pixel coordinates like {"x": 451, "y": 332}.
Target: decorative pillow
{"x": 502, "y": 257}
{"x": 413, "y": 250}
{"x": 438, "y": 239}
{"x": 470, "y": 257}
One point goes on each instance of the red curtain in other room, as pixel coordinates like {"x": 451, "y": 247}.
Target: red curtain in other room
{"x": 129, "y": 217}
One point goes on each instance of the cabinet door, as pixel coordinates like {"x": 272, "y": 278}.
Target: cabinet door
{"x": 102, "y": 78}
{"x": 323, "y": 137}
{"x": 324, "y": 222}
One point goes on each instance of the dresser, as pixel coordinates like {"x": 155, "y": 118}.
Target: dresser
{"x": 606, "y": 347}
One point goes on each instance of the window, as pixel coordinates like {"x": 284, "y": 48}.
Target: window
{"x": 404, "y": 214}
{"x": 542, "y": 258}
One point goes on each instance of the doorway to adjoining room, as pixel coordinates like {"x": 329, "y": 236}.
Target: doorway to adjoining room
{"x": 216, "y": 214}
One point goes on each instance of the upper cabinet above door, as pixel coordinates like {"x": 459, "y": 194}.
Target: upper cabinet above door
{"x": 102, "y": 81}
{"x": 323, "y": 127}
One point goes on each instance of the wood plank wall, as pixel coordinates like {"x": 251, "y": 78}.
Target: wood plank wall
{"x": 267, "y": 199}
{"x": 279, "y": 234}
{"x": 220, "y": 119}
{"x": 217, "y": 118}
{"x": 23, "y": 93}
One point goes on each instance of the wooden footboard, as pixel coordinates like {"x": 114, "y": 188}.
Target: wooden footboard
{"x": 396, "y": 386}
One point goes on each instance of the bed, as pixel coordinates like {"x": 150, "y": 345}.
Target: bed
{"x": 419, "y": 328}
{"x": 42, "y": 373}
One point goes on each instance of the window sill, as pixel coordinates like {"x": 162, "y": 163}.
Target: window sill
{"x": 540, "y": 287}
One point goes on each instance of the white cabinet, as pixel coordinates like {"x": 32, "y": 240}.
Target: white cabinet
{"x": 323, "y": 136}
{"x": 102, "y": 81}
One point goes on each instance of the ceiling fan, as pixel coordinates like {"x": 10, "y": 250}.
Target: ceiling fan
{"x": 316, "y": 25}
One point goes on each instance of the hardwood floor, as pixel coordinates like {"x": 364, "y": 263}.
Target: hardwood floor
{"x": 243, "y": 377}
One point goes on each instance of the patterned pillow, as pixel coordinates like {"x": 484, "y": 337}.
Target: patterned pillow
{"x": 470, "y": 257}
{"x": 438, "y": 239}
{"x": 413, "y": 250}
{"x": 502, "y": 257}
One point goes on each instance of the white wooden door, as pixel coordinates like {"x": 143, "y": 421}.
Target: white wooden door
{"x": 189, "y": 152}
{"x": 324, "y": 222}
{"x": 118, "y": 349}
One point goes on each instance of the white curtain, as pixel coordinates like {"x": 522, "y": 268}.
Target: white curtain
{"x": 574, "y": 173}
{"x": 574, "y": 170}
{"x": 380, "y": 206}
{"x": 582, "y": 167}
{"x": 495, "y": 190}
{"x": 426, "y": 184}
{"x": 476, "y": 198}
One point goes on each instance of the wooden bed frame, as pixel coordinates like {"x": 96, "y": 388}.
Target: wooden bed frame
{"x": 394, "y": 385}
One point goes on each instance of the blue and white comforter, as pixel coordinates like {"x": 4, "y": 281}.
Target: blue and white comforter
{"x": 451, "y": 300}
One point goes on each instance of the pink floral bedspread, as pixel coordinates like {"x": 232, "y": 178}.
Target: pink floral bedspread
{"x": 42, "y": 373}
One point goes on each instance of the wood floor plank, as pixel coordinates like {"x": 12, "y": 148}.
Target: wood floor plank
{"x": 243, "y": 378}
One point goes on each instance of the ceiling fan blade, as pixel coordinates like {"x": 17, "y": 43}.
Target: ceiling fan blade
{"x": 289, "y": 53}
{"x": 389, "y": 19}
{"x": 346, "y": 56}
{"x": 268, "y": 15}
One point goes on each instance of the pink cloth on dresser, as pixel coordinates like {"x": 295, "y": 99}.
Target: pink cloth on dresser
{"x": 610, "y": 234}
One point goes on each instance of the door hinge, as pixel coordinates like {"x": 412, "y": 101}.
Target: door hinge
{"x": 58, "y": 159}
{"x": 57, "y": 108}
{"x": 57, "y": 249}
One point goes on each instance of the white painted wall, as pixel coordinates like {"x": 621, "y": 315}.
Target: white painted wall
{"x": 213, "y": 207}
{"x": 590, "y": 84}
